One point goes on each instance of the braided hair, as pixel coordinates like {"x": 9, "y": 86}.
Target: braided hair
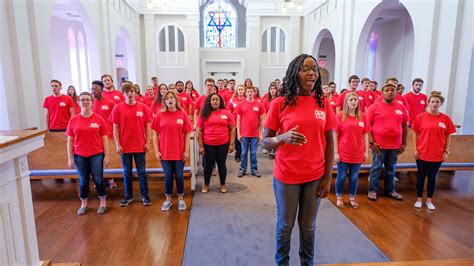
{"x": 289, "y": 87}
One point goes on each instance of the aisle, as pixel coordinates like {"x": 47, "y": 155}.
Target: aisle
{"x": 237, "y": 228}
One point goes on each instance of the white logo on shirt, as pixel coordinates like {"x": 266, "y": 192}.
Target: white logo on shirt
{"x": 370, "y": 97}
{"x": 94, "y": 125}
{"x": 332, "y": 103}
{"x": 224, "y": 117}
{"x": 442, "y": 125}
{"x": 185, "y": 99}
{"x": 361, "y": 98}
{"x": 139, "y": 113}
{"x": 422, "y": 102}
{"x": 398, "y": 112}
{"x": 400, "y": 102}
{"x": 62, "y": 104}
{"x": 179, "y": 121}
{"x": 361, "y": 124}
{"x": 255, "y": 109}
{"x": 105, "y": 107}
{"x": 235, "y": 105}
{"x": 117, "y": 98}
{"x": 320, "y": 114}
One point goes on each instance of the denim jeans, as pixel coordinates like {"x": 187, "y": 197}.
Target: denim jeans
{"x": 388, "y": 158}
{"x": 342, "y": 168}
{"x": 291, "y": 199}
{"x": 85, "y": 167}
{"x": 213, "y": 155}
{"x": 426, "y": 168}
{"x": 173, "y": 169}
{"x": 140, "y": 160}
{"x": 253, "y": 143}
{"x": 238, "y": 147}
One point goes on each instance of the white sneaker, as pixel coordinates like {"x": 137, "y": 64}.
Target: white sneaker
{"x": 417, "y": 205}
{"x": 166, "y": 205}
{"x": 430, "y": 206}
{"x": 181, "y": 205}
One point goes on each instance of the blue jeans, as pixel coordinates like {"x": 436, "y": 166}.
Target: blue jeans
{"x": 291, "y": 199}
{"x": 388, "y": 158}
{"x": 342, "y": 168}
{"x": 85, "y": 167}
{"x": 429, "y": 169}
{"x": 140, "y": 160}
{"x": 171, "y": 169}
{"x": 253, "y": 143}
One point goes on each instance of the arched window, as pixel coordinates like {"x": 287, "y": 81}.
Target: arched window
{"x": 220, "y": 25}
{"x": 273, "y": 40}
{"x": 82, "y": 62}
{"x": 171, "y": 39}
{"x": 73, "y": 57}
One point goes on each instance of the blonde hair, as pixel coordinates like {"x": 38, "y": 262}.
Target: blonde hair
{"x": 236, "y": 93}
{"x": 165, "y": 107}
{"x": 436, "y": 94}
{"x": 345, "y": 109}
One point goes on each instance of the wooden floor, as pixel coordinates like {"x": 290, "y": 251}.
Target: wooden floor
{"x": 404, "y": 233}
{"x": 133, "y": 235}
{"x": 145, "y": 235}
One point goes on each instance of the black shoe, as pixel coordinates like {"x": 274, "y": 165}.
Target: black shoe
{"x": 146, "y": 200}
{"x": 237, "y": 159}
{"x": 125, "y": 201}
{"x": 257, "y": 174}
{"x": 271, "y": 156}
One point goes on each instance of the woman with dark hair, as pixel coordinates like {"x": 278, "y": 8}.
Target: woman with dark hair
{"x": 171, "y": 130}
{"x": 192, "y": 91}
{"x": 248, "y": 82}
{"x": 87, "y": 149}
{"x": 216, "y": 134}
{"x": 71, "y": 91}
{"x": 271, "y": 95}
{"x": 158, "y": 104}
{"x": 304, "y": 154}
{"x": 431, "y": 138}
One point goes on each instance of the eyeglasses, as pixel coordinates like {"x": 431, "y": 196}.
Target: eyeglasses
{"x": 85, "y": 100}
{"x": 306, "y": 69}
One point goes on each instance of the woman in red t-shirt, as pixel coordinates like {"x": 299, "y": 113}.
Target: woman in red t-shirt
{"x": 192, "y": 91}
{"x": 271, "y": 95}
{"x": 71, "y": 92}
{"x": 431, "y": 137}
{"x": 304, "y": 154}
{"x": 238, "y": 97}
{"x": 351, "y": 145}
{"x": 215, "y": 134}
{"x": 171, "y": 130}
{"x": 158, "y": 103}
{"x": 87, "y": 148}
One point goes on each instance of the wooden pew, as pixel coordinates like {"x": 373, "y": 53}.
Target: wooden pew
{"x": 53, "y": 156}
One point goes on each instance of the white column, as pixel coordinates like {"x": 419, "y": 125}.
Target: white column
{"x": 191, "y": 48}
{"x": 294, "y": 38}
{"x": 253, "y": 49}
{"x": 18, "y": 242}
{"x": 150, "y": 46}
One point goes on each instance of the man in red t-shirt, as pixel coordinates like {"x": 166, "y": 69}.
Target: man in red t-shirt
{"x": 369, "y": 95}
{"x": 416, "y": 100}
{"x": 388, "y": 120}
{"x": 353, "y": 84}
{"x": 250, "y": 114}
{"x": 132, "y": 136}
{"x": 102, "y": 106}
{"x": 156, "y": 85}
{"x": 59, "y": 108}
{"x": 109, "y": 91}
{"x": 210, "y": 87}
{"x": 185, "y": 100}
{"x": 373, "y": 88}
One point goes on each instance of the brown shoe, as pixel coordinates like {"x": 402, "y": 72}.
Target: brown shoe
{"x": 205, "y": 189}
{"x": 240, "y": 174}
{"x": 223, "y": 189}
{"x": 395, "y": 195}
{"x": 257, "y": 174}
{"x": 372, "y": 196}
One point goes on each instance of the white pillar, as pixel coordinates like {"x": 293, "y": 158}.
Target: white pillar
{"x": 150, "y": 46}
{"x": 192, "y": 49}
{"x": 253, "y": 49}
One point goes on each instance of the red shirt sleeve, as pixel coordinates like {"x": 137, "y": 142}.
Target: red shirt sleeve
{"x": 272, "y": 120}
{"x": 155, "y": 125}
{"x": 104, "y": 128}
{"x": 188, "y": 127}
{"x": 330, "y": 117}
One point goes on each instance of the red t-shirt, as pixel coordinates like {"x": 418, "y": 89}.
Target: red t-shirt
{"x": 87, "y": 133}
{"x": 216, "y": 127}
{"x": 172, "y": 127}
{"x": 250, "y": 113}
{"x": 350, "y": 136}
{"x": 195, "y": 94}
{"x": 333, "y": 102}
{"x": 386, "y": 123}
{"x": 185, "y": 101}
{"x": 199, "y": 103}
{"x": 416, "y": 103}
{"x": 149, "y": 100}
{"x": 232, "y": 104}
{"x": 399, "y": 99}
{"x": 362, "y": 103}
{"x": 431, "y": 132}
{"x": 295, "y": 164}
{"x": 104, "y": 108}
{"x": 114, "y": 95}
{"x": 369, "y": 98}
{"x": 132, "y": 121}
{"x": 59, "y": 113}
{"x": 224, "y": 93}
{"x": 77, "y": 108}
{"x": 377, "y": 94}
{"x": 155, "y": 108}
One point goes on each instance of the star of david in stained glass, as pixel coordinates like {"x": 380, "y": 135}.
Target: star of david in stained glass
{"x": 220, "y": 25}
{"x": 221, "y": 21}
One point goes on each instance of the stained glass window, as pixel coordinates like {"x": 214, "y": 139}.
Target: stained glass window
{"x": 220, "y": 25}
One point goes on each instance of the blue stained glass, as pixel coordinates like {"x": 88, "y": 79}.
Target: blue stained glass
{"x": 220, "y": 25}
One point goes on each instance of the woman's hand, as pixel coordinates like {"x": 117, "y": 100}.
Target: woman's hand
{"x": 366, "y": 156}
{"x": 375, "y": 148}
{"x": 293, "y": 137}
{"x": 323, "y": 188}
{"x": 106, "y": 161}
{"x": 185, "y": 156}
{"x": 70, "y": 163}
{"x": 337, "y": 158}
{"x": 119, "y": 150}
{"x": 416, "y": 154}
{"x": 231, "y": 147}
{"x": 201, "y": 150}
{"x": 445, "y": 156}
{"x": 158, "y": 155}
